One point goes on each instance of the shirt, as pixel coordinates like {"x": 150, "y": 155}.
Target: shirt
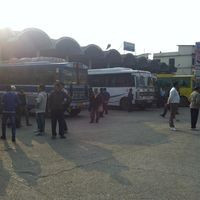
{"x": 174, "y": 96}
{"x": 194, "y": 100}
{"x": 41, "y": 101}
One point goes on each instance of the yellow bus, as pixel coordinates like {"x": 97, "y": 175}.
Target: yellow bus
{"x": 186, "y": 84}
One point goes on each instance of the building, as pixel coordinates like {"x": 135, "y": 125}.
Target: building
{"x": 183, "y": 59}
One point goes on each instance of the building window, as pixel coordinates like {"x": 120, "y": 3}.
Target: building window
{"x": 172, "y": 62}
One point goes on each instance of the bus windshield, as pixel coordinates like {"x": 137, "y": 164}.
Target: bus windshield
{"x": 140, "y": 81}
{"x": 69, "y": 76}
{"x": 83, "y": 76}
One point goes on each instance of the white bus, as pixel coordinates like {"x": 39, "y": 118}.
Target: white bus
{"x": 119, "y": 80}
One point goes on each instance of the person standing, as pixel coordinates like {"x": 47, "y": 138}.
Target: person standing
{"x": 194, "y": 107}
{"x": 65, "y": 127}
{"x": 101, "y": 102}
{"x": 173, "y": 101}
{"x": 106, "y": 100}
{"x": 23, "y": 108}
{"x": 10, "y": 102}
{"x": 57, "y": 102}
{"x": 41, "y": 103}
{"x": 130, "y": 100}
{"x": 94, "y": 103}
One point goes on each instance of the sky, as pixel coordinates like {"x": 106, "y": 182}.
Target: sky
{"x": 153, "y": 25}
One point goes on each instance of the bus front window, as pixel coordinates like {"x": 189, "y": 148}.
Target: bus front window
{"x": 140, "y": 80}
{"x": 69, "y": 76}
{"x": 83, "y": 77}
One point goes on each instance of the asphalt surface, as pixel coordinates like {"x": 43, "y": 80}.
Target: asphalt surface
{"x": 126, "y": 156}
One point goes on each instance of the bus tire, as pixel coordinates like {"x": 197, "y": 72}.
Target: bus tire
{"x": 124, "y": 103}
{"x": 184, "y": 101}
{"x": 74, "y": 112}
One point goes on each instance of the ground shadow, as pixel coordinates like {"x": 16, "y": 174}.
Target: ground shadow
{"x": 26, "y": 168}
{"x": 91, "y": 158}
{"x": 4, "y": 179}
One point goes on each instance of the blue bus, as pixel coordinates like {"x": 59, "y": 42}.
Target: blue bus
{"x": 27, "y": 76}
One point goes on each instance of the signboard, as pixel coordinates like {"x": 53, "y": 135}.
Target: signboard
{"x": 197, "y": 54}
{"x": 129, "y": 46}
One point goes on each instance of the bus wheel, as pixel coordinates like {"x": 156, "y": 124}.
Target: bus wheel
{"x": 184, "y": 101}
{"x": 124, "y": 103}
{"x": 75, "y": 112}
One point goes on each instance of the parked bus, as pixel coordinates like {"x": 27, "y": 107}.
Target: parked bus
{"x": 186, "y": 84}
{"x": 119, "y": 80}
{"x": 27, "y": 76}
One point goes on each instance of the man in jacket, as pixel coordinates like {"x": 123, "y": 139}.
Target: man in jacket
{"x": 57, "y": 103}
{"x": 106, "y": 100}
{"x": 41, "y": 102}
{"x": 130, "y": 99}
{"x": 23, "y": 108}
{"x": 10, "y": 102}
{"x": 173, "y": 101}
{"x": 194, "y": 107}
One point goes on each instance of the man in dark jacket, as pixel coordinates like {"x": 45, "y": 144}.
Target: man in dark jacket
{"x": 23, "y": 108}
{"x": 106, "y": 100}
{"x": 57, "y": 101}
{"x": 10, "y": 102}
{"x": 130, "y": 100}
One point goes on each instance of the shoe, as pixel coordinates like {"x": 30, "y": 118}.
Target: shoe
{"x": 3, "y": 137}
{"x": 13, "y": 140}
{"x": 36, "y": 131}
{"x": 62, "y": 137}
{"x": 162, "y": 115}
{"x": 91, "y": 122}
{"x": 53, "y": 137}
{"x": 194, "y": 129}
{"x": 172, "y": 128}
{"x": 39, "y": 134}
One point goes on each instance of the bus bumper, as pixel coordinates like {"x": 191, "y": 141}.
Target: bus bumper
{"x": 144, "y": 103}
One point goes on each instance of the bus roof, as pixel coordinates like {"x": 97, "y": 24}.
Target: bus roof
{"x": 173, "y": 75}
{"x": 40, "y": 63}
{"x": 115, "y": 70}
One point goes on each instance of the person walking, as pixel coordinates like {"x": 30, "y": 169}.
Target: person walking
{"x": 194, "y": 107}
{"x": 41, "y": 103}
{"x": 106, "y": 100}
{"x": 173, "y": 101}
{"x": 23, "y": 109}
{"x": 10, "y": 102}
{"x": 130, "y": 100}
{"x": 57, "y": 102}
{"x": 166, "y": 105}
{"x": 94, "y": 103}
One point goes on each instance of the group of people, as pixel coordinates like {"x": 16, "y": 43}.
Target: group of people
{"x": 57, "y": 103}
{"x": 15, "y": 104}
{"x": 98, "y": 104}
{"x": 172, "y": 101}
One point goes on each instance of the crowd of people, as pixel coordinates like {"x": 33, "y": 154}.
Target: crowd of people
{"x": 15, "y": 104}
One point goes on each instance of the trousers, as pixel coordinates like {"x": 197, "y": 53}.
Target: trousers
{"x": 194, "y": 116}
{"x": 11, "y": 117}
{"x": 57, "y": 116}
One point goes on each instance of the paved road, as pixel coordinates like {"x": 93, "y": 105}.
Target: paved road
{"x": 125, "y": 156}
